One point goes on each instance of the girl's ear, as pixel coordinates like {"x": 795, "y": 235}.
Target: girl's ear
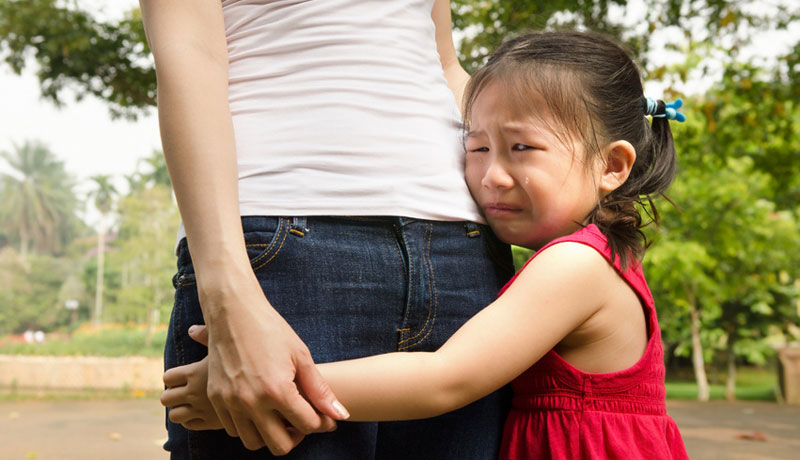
{"x": 619, "y": 157}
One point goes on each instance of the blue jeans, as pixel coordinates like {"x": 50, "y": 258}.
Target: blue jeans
{"x": 353, "y": 287}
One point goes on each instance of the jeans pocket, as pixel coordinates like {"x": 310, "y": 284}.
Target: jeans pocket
{"x": 264, "y": 242}
{"x": 264, "y": 237}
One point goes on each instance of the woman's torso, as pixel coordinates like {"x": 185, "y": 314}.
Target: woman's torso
{"x": 340, "y": 107}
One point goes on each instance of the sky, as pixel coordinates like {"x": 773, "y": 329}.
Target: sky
{"x": 84, "y": 136}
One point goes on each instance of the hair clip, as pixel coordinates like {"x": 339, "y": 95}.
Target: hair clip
{"x": 661, "y": 109}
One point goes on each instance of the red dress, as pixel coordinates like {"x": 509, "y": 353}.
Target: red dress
{"x": 560, "y": 412}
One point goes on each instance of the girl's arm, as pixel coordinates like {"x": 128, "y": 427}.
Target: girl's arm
{"x": 558, "y": 291}
{"x": 455, "y": 75}
{"x": 254, "y": 375}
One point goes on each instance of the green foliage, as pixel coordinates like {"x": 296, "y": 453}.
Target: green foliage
{"x": 75, "y": 50}
{"x": 109, "y": 341}
{"x": 156, "y": 172}
{"x": 37, "y": 202}
{"x": 733, "y": 244}
{"x": 30, "y": 291}
{"x": 753, "y": 384}
{"x": 104, "y": 192}
{"x": 486, "y": 23}
{"x": 143, "y": 260}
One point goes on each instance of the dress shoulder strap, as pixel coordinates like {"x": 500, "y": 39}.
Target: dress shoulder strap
{"x": 593, "y": 237}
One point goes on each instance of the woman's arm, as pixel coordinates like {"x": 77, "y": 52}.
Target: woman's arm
{"x": 455, "y": 75}
{"x": 563, "y": 287}
{"x": 252, "y": 375}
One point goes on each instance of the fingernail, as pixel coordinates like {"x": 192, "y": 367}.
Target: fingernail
{"x": 192, "y": 329}
{"x": 339, "y": 408}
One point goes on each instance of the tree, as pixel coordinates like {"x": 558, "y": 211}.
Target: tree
{"x": 29, "y": 291}
{"x": 147, "y": 229}
{"x": 38, "y": 206}
{"x": 109, "y": 60}
{"x": 103, "y": 194}
{"x": 733, "y": 244}
{"x": 486, "y": 23}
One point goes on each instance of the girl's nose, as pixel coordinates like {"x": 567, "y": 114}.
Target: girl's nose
{"x": 497, "y": 176}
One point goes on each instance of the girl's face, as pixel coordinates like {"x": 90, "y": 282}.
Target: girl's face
{"x": 532, "y": 186}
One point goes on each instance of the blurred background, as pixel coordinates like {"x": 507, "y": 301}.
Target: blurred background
{"x": 88, "y": 220}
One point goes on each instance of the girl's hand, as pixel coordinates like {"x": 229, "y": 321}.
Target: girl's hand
{"x": 187, "y": 399}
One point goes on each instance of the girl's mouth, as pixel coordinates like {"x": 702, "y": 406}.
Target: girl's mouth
{"x": 500, "y": 210}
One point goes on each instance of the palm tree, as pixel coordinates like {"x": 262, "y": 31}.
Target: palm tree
{"x": 158, "y": 174}
{"x": 38, "y": 204}
{"x": 104, "y": 194}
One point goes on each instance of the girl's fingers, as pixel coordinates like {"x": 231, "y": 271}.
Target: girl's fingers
{"x": 176, "y": 376}
{"x": 181, "y": 414}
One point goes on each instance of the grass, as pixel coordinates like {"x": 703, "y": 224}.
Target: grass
{"x": 15, "y": 395}
{"x": 752, "y": 384}
{"x": 108, "y": 340}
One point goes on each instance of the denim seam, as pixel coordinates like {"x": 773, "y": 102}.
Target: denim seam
{"x": 433, "y": 294}
{"x": 410, "y": 302}
{"x": 177, "y": 333}
{"x": 270, "y": 246}
{"x": 431, "y": 289}
{"x": 402, "y": 265}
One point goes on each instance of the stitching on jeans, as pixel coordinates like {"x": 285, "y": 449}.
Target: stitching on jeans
{"x": 433, "y": 292}
{"x": 188, "y": 283}
{"x": 273, "y": 254}
{"x": 422, "y": 329}
{"x": 410, "y": 301}
{"x": 271, "y": 244}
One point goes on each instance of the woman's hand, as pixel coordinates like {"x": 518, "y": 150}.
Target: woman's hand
{"x": 257, "y": 364}
{"x": 261, "y": 376}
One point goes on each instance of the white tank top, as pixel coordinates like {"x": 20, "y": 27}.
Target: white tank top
{"x": 340, "y": 107}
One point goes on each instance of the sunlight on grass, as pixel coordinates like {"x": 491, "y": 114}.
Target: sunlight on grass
{"x": 108, "y": 340}
{"x": 751, "y": 384}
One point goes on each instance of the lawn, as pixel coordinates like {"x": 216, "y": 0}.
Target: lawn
{"x": 107, "y": 340}
{"x": 752, "y": 383}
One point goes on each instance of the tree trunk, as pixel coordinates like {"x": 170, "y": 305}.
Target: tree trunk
{"x": 730, "y": 383}
{"x": 98, "y": 295}
{"x": 697, "y": 351}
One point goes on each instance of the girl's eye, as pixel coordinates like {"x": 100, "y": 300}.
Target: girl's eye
{"x": 480, "y": 149}
{"x": 520, "y": 147}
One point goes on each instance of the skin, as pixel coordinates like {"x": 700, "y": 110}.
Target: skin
{"x": 533, "y": 188}
{"x": 260, "y": 374}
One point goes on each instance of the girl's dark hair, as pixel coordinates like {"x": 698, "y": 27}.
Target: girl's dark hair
{"x": 591, "y": 87}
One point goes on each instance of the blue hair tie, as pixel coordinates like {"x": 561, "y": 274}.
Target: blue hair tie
{"x": 661, "y": 109}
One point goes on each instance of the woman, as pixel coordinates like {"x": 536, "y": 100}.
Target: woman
{"x": 337, "y": 114}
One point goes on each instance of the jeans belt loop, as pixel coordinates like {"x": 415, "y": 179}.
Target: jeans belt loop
{"x": 298, "y": 227}
{"x": 472, "y": 229}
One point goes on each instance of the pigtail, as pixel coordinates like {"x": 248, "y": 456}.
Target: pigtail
{"x": 619, "y": 215}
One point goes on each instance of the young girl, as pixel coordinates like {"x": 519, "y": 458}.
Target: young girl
{"x": 559, "y": 152}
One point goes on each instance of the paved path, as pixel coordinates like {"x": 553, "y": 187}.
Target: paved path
{"x": 133, "y": 430}
{"x": 713, "y": 430}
